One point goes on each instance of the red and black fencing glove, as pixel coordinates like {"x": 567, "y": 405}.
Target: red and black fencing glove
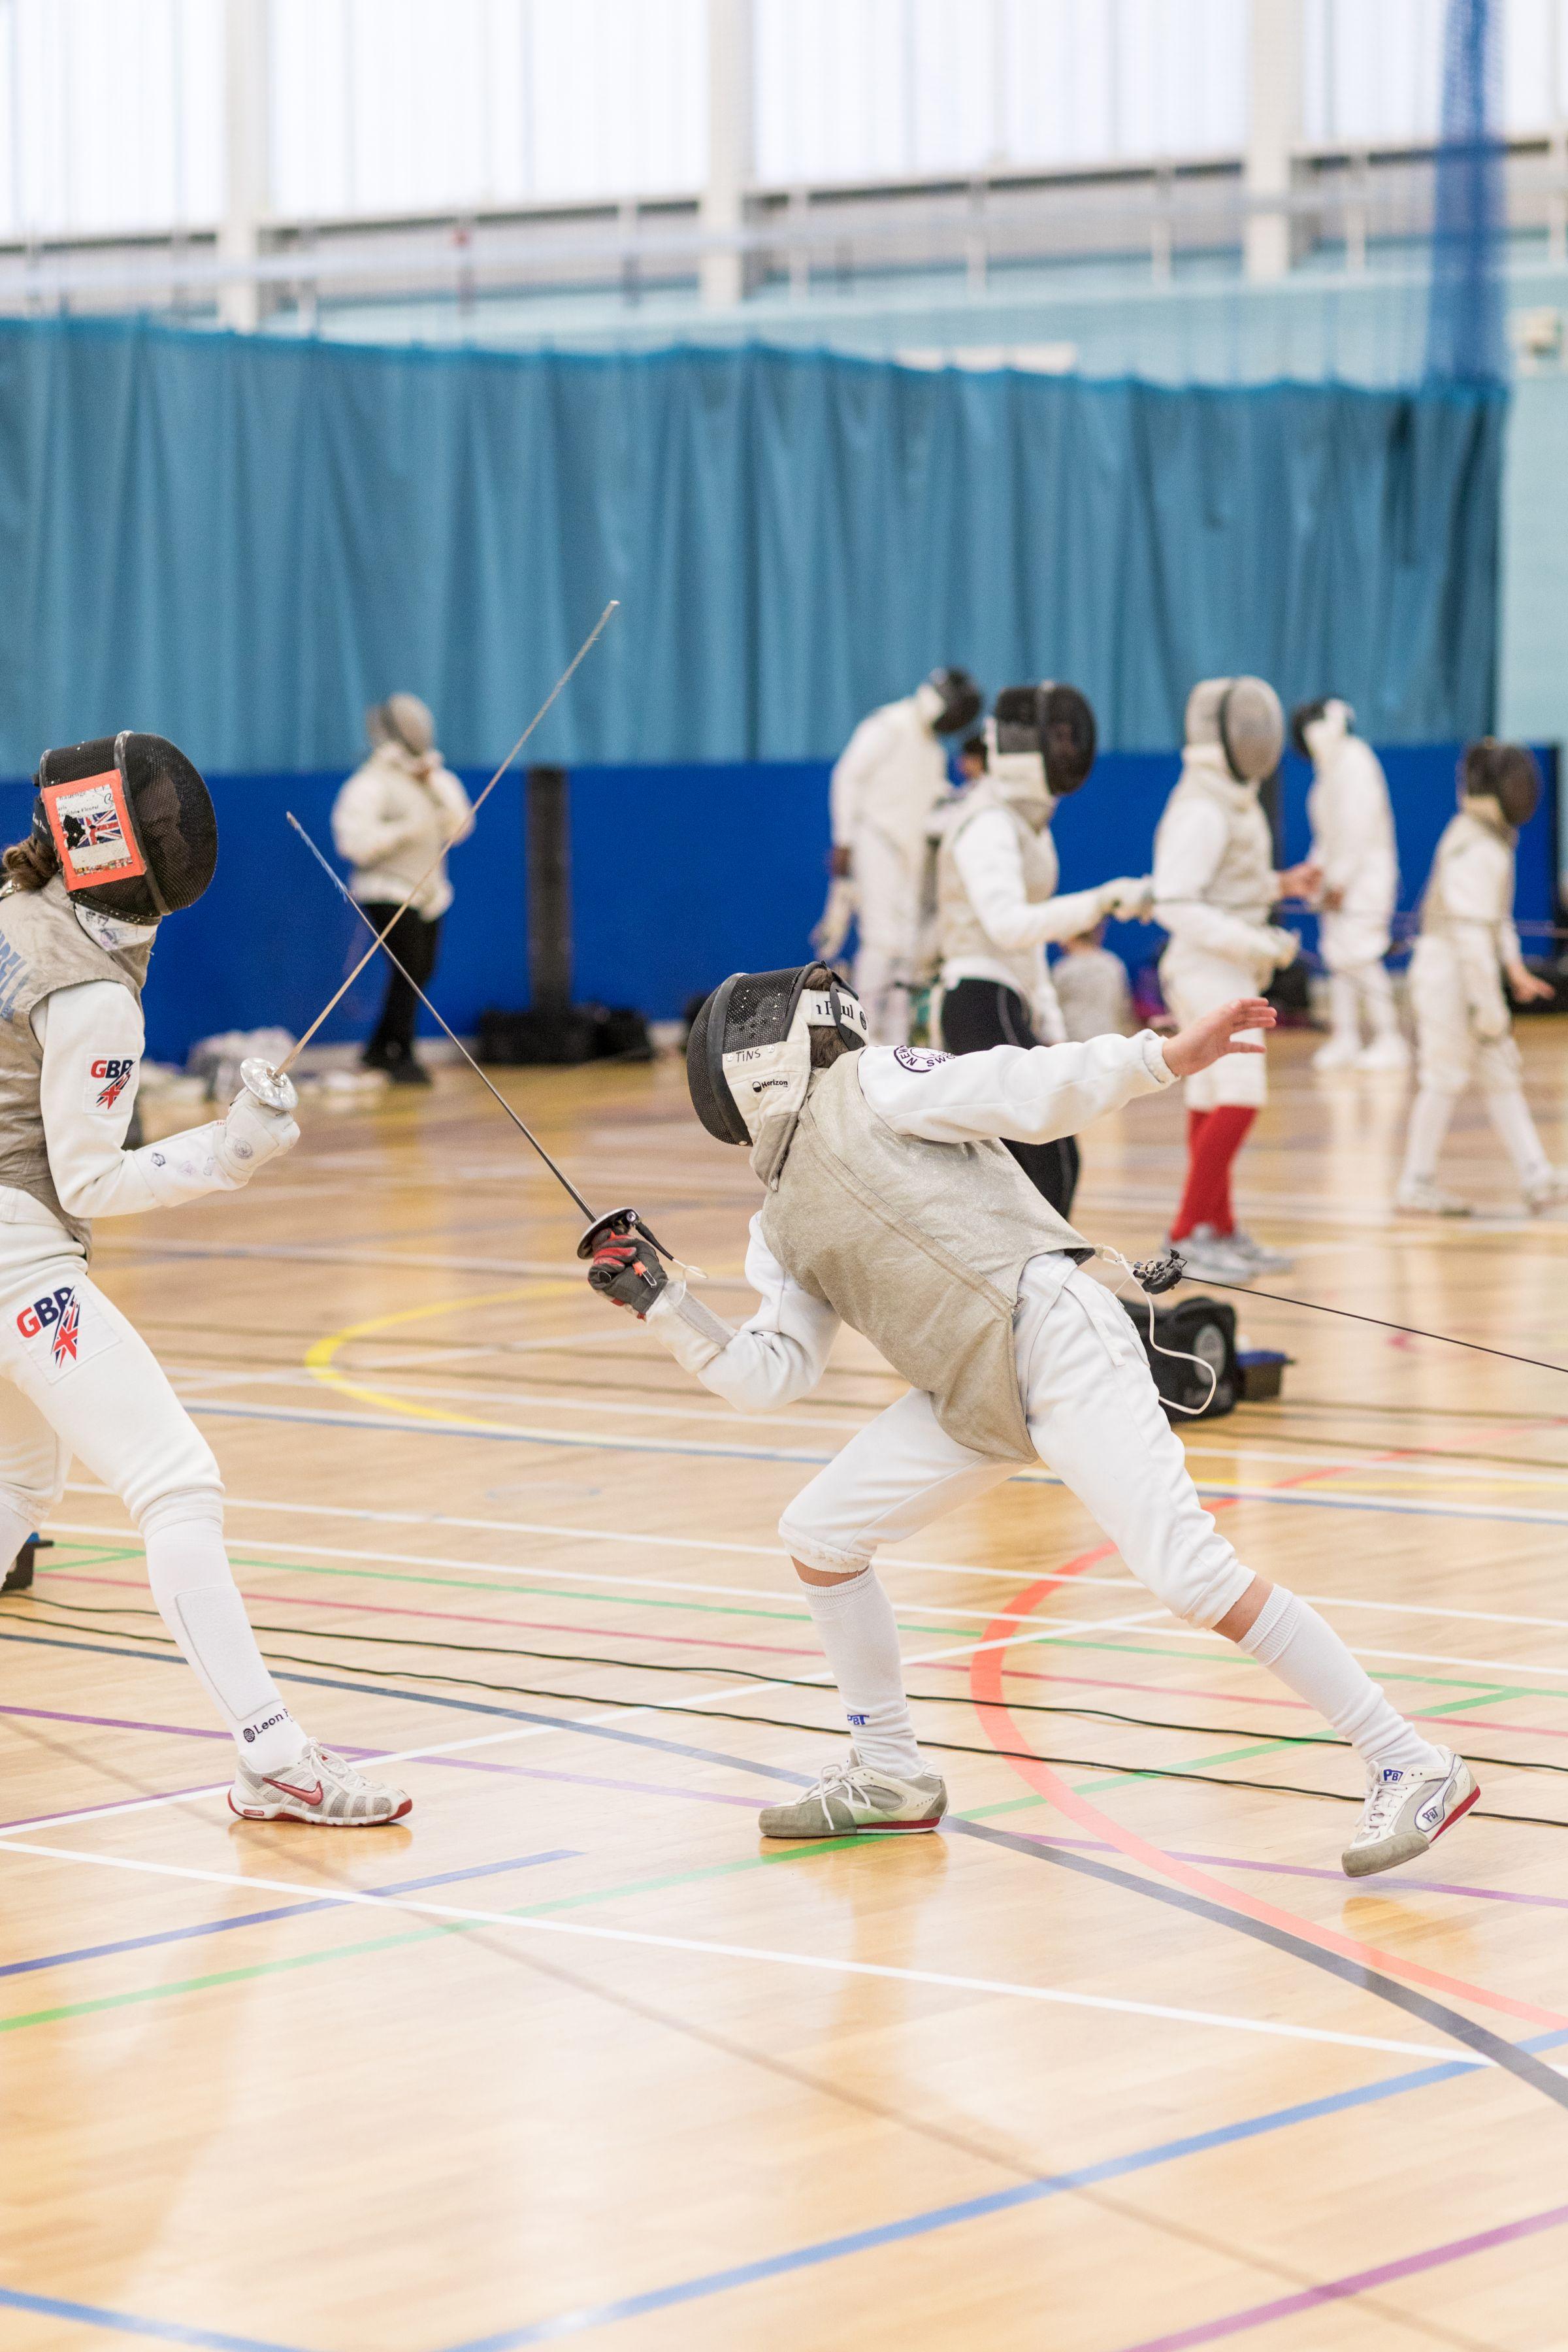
{"x": 627, "y": 1271}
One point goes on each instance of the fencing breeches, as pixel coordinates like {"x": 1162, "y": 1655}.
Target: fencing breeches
{"x": 77, "y": 1380}
{"x": 1196, "y": 982}
{"x": 1450, "y": 1057}
{"x": 887, "y": 887}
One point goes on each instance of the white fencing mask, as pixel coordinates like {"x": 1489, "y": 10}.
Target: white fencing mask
{"x": 402, "y": 719}
{"x": 1244, "y": 717}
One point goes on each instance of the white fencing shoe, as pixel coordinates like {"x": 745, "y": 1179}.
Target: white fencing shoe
{"x": 322, "y": 1789}
{"x": 1404, "y": 1812}
{"x": 1549, "y": 1193}
{"x": 1339, "y": 1054}
{"x": 1389, "y": 1053}
{"x": 1258, "y": 1256}
{"x": 1213, "y": 1258}
{"x": 851, "y": 1799}
{"x": 1429, "y": 1200}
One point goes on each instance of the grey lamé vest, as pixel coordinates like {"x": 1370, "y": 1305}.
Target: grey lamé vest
{"x": 43, "y": 948}
{"x": 1243, "y": 883}
{"x": 919, "y": 1247}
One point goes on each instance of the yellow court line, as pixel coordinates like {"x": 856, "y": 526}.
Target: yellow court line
{"x": 319, "y": 1355}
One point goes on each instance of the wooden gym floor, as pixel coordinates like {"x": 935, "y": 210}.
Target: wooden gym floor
{"x": 1119, "y": 2063}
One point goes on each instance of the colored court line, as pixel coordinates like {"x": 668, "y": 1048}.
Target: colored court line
{"x": 130, "y": 2323}
{"x": 287, "y": 1911}
{"x": 1313, "y": 2298}
{"x": 970, "y": 2209}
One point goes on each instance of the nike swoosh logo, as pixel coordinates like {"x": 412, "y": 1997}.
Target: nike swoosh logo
{"x": 305, "y": 1796}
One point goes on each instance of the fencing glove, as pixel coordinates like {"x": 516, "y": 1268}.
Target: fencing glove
{"x": 250, "y": 1136}
{"x": 627, "y": 1271}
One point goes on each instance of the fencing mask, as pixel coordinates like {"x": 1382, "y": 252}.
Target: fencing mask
{"x": 749, "y": 1057}
{"x": 1243, "y": 716}
{"x": 402, "y": 719}
{"x": 1042, "y": 736}
{"x": 132, "y": 823}
{"x": 961, "y": 700}
{"x": 1339, "y": 714}
{"x": 1505, "y": 773}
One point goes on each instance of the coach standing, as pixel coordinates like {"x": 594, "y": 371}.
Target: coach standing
{"x": 393, "y": 822}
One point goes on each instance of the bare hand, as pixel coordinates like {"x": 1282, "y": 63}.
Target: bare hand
{"x": 1299, "y": 881}
{"x": 1207, "y": 1041}
{"x": 1527, "y": 987}
{"x": 839, "y": 861}
{"x": 1331, "y": 901}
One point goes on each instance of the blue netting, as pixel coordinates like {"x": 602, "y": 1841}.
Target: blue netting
{"x": 1464, "y": 324}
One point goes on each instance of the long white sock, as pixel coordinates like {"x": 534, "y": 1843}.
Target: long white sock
{"x": 1344, "y": 1010}
{"x": 1290, "y": 1637}
{"x": 191, "y": 1583}
{"x": 1377, "y": 999}
{"x": 1429, "y": 1116}
{"x": 855, "y": 1624}
{"x": 1509, "y": 1114}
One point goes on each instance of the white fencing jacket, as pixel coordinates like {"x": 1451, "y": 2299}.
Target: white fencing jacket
{"x": 1214, "y": 881}
{"x": 1466, "y": 913}
{"x": 1352, "y": 820}
{"x": 890, "y": 775}
{"x": 1020, "y": 1094}
{"x": 1001, "y": 851}
{"x": 394, "y": 819}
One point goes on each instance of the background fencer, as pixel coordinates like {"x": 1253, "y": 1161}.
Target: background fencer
{"x": 1215, "y": 889}
{"x": 889, "y": 778}
{"x": 1466, "y": 949}
{"x": 998, "y": 901}
{"x": 1355, "y": 860}
{"x": 124, "y": 834}
{"x": 891, "y": 1207}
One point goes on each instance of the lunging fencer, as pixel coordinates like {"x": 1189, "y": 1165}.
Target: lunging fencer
{"x": 998, "y": 902}
{"x": 892, "y": 1207}
{"x": 1466, "y": 950}
{"x": 1214, "y": 889}
{"x": 1355, "y": 863}
{"x": 123, "y": 835}
{"x": 890, "y": 776}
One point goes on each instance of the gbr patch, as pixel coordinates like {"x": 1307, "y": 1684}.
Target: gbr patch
{"x": 62, "y": 1330}
{"x": 107, "y": 1076}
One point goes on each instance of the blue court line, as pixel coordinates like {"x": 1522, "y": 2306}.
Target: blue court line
{"x": 284, "y": 1911}
{"x": 970, "y": 2209}
{"x": 130, "y": 2323}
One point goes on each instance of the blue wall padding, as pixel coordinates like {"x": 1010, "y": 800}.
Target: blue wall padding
{"x": 240, "y": 541}
{"x": 679, "y": 874}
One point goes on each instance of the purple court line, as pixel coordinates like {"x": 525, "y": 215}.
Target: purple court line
{"x": 1308, "y": 1870}
{"x": 113, "y": 1722}
{"x": 1312, "y": 2298}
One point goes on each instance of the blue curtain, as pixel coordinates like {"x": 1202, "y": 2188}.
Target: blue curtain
{"x": 241, "y": 541}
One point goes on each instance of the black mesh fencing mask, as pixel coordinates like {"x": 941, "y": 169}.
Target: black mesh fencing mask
{"x": 961, "y": 700}
{"x": 748, "y": 1058}
{"x": 132, "y": 823}
{"x": 1065, "y": 720}
{"x": 1505, "y": 773}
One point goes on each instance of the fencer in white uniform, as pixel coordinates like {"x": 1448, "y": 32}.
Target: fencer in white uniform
{"x": 891, "y": 1206}
{"x": 1215, "y": 887}
{"x": 124, "y": 834}
{"x": 889, "y": 778}
{"x": 1466, "y": 950}
{"x": 1355, "y": 859}
{"x": 999, "y": 900}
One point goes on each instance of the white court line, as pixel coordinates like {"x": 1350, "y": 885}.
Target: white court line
{"x": 700, "y": 1543}
{"x": 353, "y": 1897}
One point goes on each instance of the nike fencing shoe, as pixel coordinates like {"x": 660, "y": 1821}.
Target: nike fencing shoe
{"x": 1429, "y": 1200}
{"x": 850, "y": 1799}
{"x": 322, "y": 1789}
{"x": 1405, "y": 1811}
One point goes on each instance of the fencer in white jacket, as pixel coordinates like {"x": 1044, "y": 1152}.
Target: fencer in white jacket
{"x": 999, "y": 903}
{"x": 1466, "y": 950}
{"x": 1215, "y": 887}
{"x": 890, "y": 1207}
{"x": 890, "y": 776}
{"x": 1356, "y": 861}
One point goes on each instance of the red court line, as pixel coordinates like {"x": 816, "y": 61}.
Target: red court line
{"x": 986, "y": 1672}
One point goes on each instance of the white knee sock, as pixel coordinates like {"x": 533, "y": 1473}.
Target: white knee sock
{"x": 188, "y": 1570}
{"x": 1344, "y": 1010}
{"x": 855, "y": 1624}
{"x": 1290, "y": 1638}
{"x": 1509, "y": 1115}
{"x": 1429, "y": 1116}
{"x": 1377, "y": 1000}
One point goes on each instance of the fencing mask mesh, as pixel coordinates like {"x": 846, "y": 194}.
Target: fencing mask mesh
{"x": 1244, "y": 717}
{"x": 749, "y": 1057}
{"x": 1067, "y": 737}
{"x": 1505, "y": 773}
{"x": 403, "y": 720}
{"x": 961, "y": 700}
{"x": 132, "y": 823}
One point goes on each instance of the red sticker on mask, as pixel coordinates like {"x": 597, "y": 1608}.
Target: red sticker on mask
{"x": 93, "y": 830}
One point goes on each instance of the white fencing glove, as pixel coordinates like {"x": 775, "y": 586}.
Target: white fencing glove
{"x": 250, "y": 1136}
{"x": 1129, "y": 897}
{"x": 1284, "y": 946}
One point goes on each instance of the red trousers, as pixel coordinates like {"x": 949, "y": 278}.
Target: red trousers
{"x": 1213, "y": 1139}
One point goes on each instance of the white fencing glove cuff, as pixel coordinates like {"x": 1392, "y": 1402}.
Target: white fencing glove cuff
{"x": 250, "y": 1136}
{"x": 1130, "y": 898}
{"x": 692, "y": 1332}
